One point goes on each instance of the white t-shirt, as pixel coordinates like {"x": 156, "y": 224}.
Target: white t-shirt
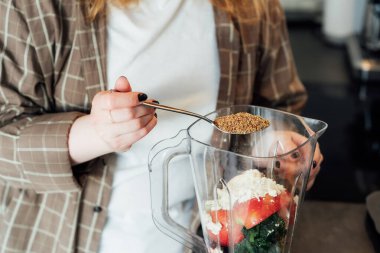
{"x": 167, "y": 49}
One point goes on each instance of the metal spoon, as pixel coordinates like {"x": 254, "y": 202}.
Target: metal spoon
{"x": 212, "y": 122}
{"x": 250, "y": 125}
{"x": 177, "y": 110}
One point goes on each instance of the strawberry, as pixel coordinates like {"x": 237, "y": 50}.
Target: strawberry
{"x": 222, "y": 216}
{"x": 285, "y": 203}
{"x": 247, "y": 214}
{"x": 237, "y": 235}
{"x": 285, "y": 199}
{"x": 252, "y": 212}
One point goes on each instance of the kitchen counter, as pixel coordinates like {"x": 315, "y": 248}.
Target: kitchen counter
{"x": 332, "y": 227}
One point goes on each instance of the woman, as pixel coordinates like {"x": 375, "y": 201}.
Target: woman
{"x": 73, "y": 155}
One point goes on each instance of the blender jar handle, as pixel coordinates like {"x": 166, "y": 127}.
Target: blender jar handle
{"x": 159, "y": 158}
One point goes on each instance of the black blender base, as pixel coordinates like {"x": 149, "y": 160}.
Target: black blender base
{"x": 365, "y": 66}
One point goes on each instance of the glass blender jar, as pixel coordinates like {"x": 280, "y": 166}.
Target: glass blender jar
{"x": 248, "y": 188}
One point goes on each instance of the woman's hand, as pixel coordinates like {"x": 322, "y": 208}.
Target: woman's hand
{"x": 118, "y": 117}
{"x": 295, "y": 140}
{"x": 316, "y": 167}
{"x": 291, "y": 165}
{"x": 117, "y": 120}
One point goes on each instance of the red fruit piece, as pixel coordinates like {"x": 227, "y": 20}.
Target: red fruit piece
{"x": 222, "y": 216}
{"x": 287, "y": 206}
{"x": 285, "y": 199}
{"x": 254, "y": 211}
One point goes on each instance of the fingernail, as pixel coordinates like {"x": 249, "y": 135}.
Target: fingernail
{"x": 156, "y": 102}
{"x": 295, "y": 155}
{"x": 142, "y": 97}
{"x": 278, "y": 164}
{"x": 314, "y": 164}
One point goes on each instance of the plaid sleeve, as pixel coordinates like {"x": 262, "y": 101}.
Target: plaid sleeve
{"x": 278, "y": 85}
{"x": 33, "y": 143}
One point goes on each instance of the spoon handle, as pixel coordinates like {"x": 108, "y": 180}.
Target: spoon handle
{"x": 177, "y": 110}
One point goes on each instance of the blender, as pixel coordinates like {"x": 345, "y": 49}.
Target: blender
{"x": 248, "y": 188}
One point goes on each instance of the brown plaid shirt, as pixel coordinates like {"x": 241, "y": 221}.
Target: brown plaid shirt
{"x": 52, "y": 63}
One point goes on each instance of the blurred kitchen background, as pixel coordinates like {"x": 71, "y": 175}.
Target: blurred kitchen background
{"x": 336, "y": 45}
{"x": 341, "y": 93}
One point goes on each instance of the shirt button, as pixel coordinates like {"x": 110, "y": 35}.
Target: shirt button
{"x": 97, "y": 209}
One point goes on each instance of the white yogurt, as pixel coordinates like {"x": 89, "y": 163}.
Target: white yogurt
{"x": 248, "y": 185}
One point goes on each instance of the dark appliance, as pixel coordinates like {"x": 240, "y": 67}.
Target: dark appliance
{"x": 364, "y": 49}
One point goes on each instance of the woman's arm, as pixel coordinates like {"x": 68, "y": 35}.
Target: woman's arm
{"x": 44, "y": 129}
{"x": 42, "y": 135}
{"x": 277, "y": 84}
{"x": 117, "y": 120}
{"x": 33, "y": 137}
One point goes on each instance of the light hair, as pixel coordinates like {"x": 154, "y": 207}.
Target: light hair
{"x": 241, "y": 9}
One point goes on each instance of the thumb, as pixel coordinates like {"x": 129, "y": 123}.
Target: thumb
{"x": 122, "y": 85}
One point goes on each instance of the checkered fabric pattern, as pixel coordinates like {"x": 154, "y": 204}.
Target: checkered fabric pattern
{"x": 52, "y": 63}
